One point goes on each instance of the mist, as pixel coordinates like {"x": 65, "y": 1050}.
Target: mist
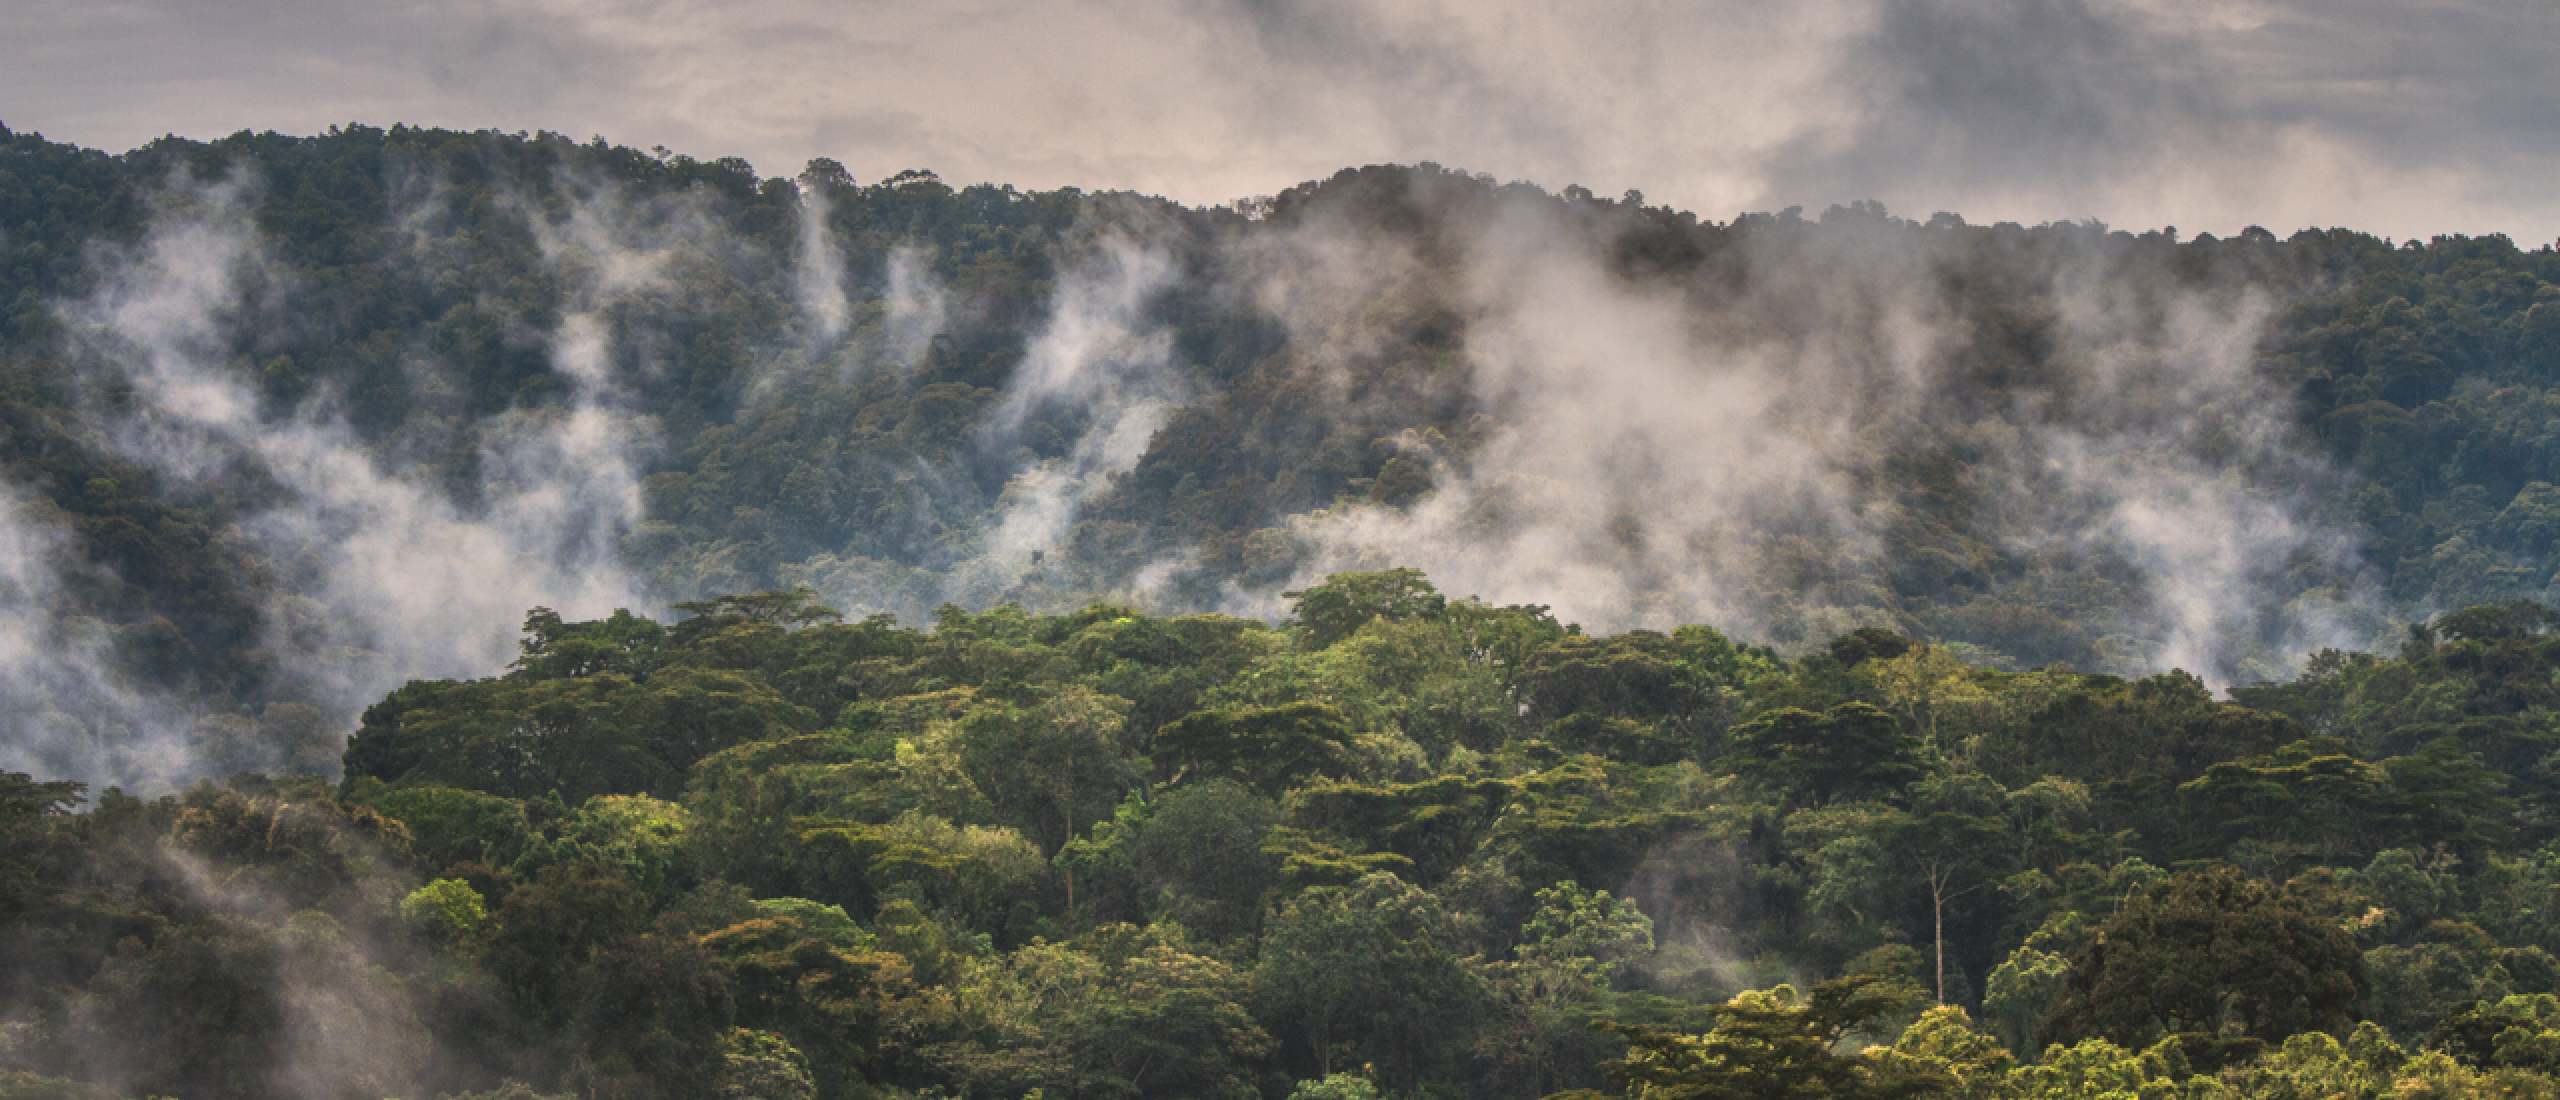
{"x": 72, "y": 714}
{"x": 1653, "y": 455}
{"x": 384, "y": 576}
{"x": 2051, "y": 444}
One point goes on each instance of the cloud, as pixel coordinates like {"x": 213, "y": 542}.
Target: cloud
{"x": 1101, "y": 364}
{"x": 70, "y": 712}
{"x": 1757, "y": 453}
{"x": 817, "y": 273}
{"x": 915, "y": 307}
{"x": 2209, "y": 114}
{"x": 381, "y": 574}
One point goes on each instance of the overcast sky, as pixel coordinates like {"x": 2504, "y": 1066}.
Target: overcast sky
{"x": 2400, "y": 117}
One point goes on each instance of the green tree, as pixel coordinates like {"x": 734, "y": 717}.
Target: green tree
{"x": 1571, "y": 950}
{"x": 760, "y": 1065}
{"x": 1345, "y": 602}
{"x": 1955, "y": 840}
{"x": 1847, "y": 750}
{"x": 2023, "y": 990}
{"x": 446, "y": 909}
{"x": 1367, "y": 974}
{"x": 552, "y": 649}
{"x": 448, "y": 826}
{"x": 25, "y": 808}
{"x": 1121, "y": 1011}
{"x": 1925, "y": 683}
{"x": 804, "y": 973}
{"x": 2519, "y": 1031}
{"x": 1053, "y": 767}
{"x": 2213, "y": 955}
{"x": 1202, "y": 849}
{"x": 1268, "y": 748}
{"x": 1771, "y": 1045}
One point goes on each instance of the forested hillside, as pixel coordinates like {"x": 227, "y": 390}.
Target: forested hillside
{"x": 285, "y": 422}
{"x": 1398, "y": 846}
{"x": 1410, "y": 635}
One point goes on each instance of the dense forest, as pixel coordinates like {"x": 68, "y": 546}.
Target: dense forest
{"x": 1399, "y": 846}
{"x": 992, "y": 644}
{"x": 287, "y": 421}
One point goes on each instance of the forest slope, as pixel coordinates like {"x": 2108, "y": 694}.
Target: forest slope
{"x": 1399, "y": 845}
{"x": 285, "y": 422}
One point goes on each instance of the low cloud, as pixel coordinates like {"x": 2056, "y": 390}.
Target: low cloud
{"x": 382, "y": 574}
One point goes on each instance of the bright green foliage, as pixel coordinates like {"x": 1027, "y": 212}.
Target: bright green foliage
{"x": 2098, "y": 1068}
{"x": 759, "y": 1065}
{"x": 1579, "y": 939}
{"x": 2367, "y": 1066}
{"x": 1337, "y": 1086}
{"x": 1769, "y": 1045}
{"x": 2021, "y": 992}
{"x": 1925, "y": 684}
{"x": 2515, "y": 1032}
{"x": 640, "y": 835}
{"x": 1077, "y": 854}
{"x": 445, "y": 909}
{"x": 1944, "y": 1049}
{"x": 1123, "y": 1012}
{"x": 1572, "y": 950}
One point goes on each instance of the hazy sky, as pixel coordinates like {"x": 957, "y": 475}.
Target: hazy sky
{"x": 2401, "y": 117}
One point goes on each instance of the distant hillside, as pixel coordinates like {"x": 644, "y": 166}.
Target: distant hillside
{"x": 287, "y": 421}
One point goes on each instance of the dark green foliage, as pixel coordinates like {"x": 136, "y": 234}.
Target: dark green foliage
{"x": 600, "y": 734}
{"x": 1848, "y": 750}
{"x": 24, "y": 804}
{"x": 1367, "y": 973}
{"x": 1345, "y": 602}
{"x": 1202, "y": 849}
{"x": 414, "y": 294}
{"x": 1269, "y": 748}
{"x": 2216, "y": 956}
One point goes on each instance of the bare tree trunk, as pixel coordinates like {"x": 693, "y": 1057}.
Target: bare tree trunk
{"x": 1938, "y": 928}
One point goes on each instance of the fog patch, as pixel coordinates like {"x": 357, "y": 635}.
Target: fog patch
{"x": 381, "y": 576}
{"x": 1651, "y": 453}
{"x": 914, "y": 309}
{"x": 1099, "y": 361}
{"x": 70, "y": 713}
{"x": 2185, "y": 452}
{"x": 817, "y": 273}
{"x": 1642, "y": 469}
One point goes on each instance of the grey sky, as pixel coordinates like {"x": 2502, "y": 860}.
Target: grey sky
{"x": 2400, "y": 118}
